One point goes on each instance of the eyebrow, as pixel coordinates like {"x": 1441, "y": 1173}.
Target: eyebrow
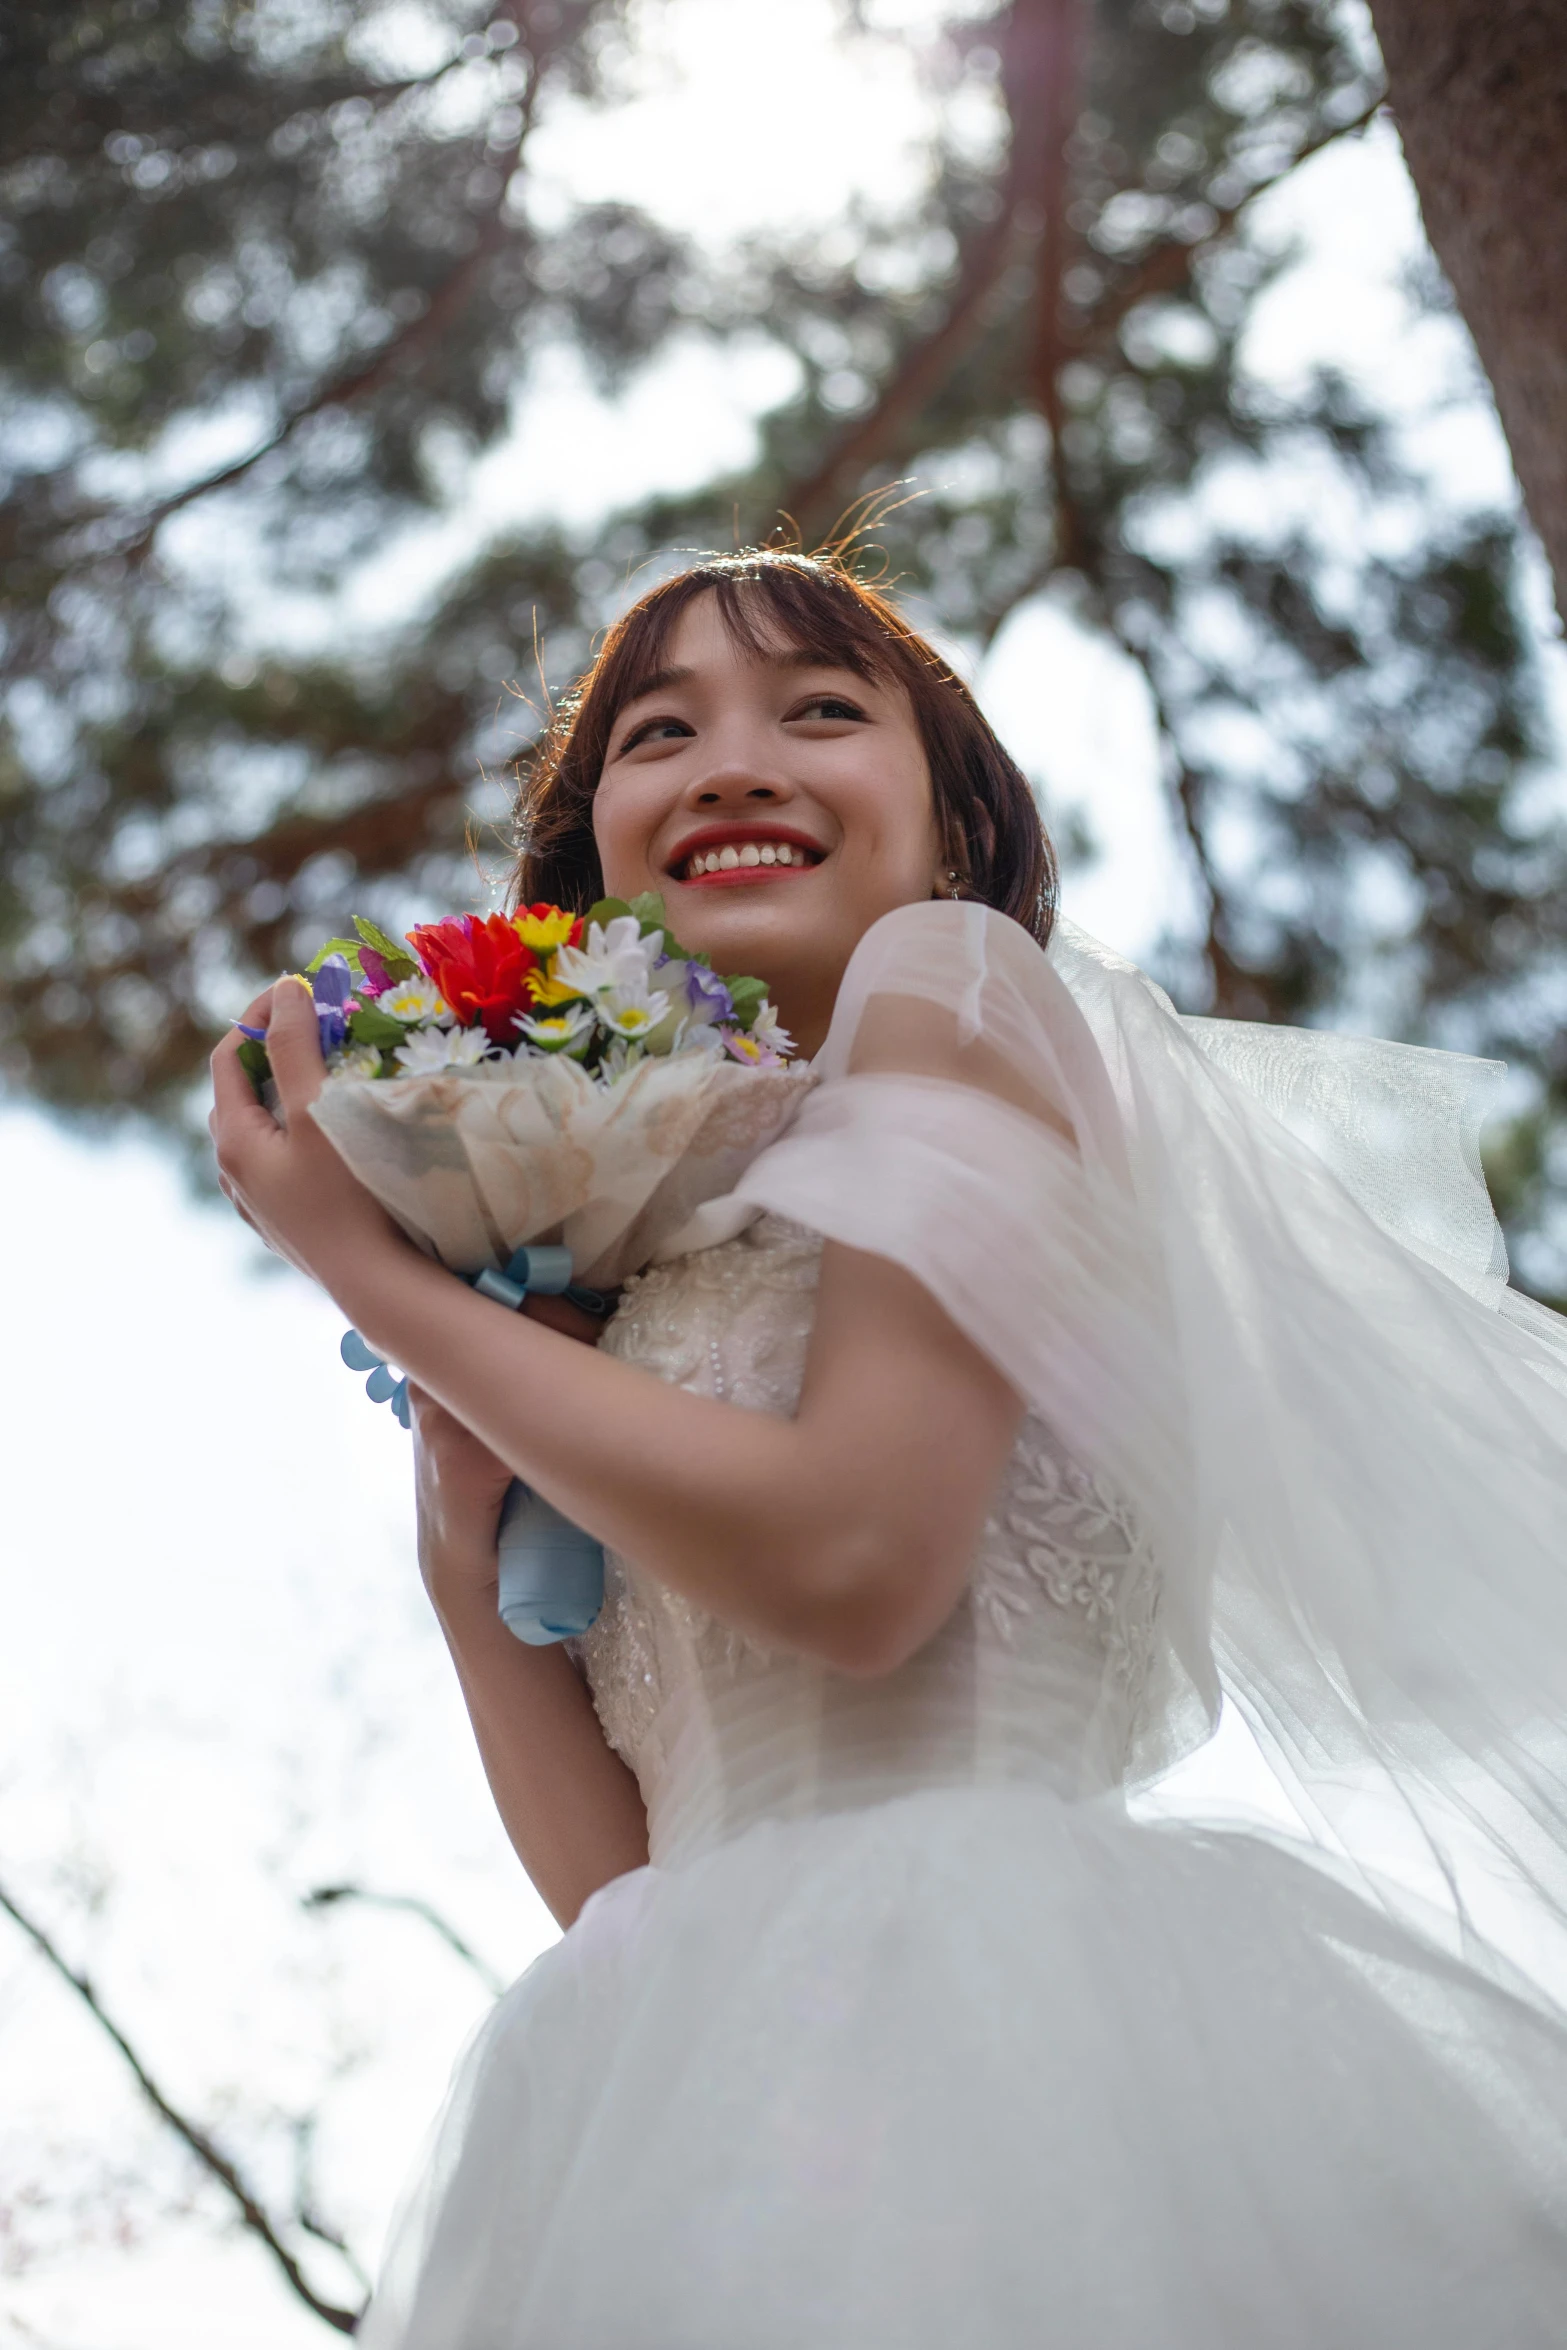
{"x": 791, "y": 657}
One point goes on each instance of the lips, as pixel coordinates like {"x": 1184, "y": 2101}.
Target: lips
{"x": 727, "y": 854}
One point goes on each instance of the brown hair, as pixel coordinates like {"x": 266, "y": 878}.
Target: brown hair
{"x": 989, "y": 825}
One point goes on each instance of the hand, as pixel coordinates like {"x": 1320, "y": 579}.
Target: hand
{"x": 459, "y": 1486}
{"x": 287, "y": 1181}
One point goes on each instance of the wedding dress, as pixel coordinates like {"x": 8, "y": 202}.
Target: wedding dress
{"x": 913, "y": 2034}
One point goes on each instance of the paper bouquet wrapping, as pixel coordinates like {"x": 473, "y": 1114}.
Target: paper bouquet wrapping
{"x": 476, "y": 1164}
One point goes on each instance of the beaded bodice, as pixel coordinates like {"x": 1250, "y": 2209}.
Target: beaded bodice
{"x": 1035, "y": 1677}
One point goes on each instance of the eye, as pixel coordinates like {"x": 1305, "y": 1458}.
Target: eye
{"x": 654, "y": 730}
{"x": 836, "y": 706}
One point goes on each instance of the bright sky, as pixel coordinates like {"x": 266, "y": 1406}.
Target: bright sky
{"x": 220, "y": 1685}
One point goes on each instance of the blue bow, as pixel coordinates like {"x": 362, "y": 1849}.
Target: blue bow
{"x": 530, "y": 1272}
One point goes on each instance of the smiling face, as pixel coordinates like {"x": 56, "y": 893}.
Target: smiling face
{"x": 781, "y": 805}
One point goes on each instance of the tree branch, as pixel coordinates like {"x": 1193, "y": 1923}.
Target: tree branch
{"x": 819, "y": 500}
{"x": 1028, "y": 59}
{"x": 241, "y": 2194}
{"x": 1165, "y": 268}
{"x": 1237, "y": 993}
{"x": 1058, "y": 33}
{"x": 929, "y": 363}
{"x": 446, "y": 304}
{"x": 327, "y": 1896}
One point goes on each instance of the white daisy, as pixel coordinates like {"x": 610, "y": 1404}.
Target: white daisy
{"x": 559, "y": 1032}
{"x": 414, "y": 1000}
{"x": 429, "y": 1050}
{"x": 767, "y": 1031}
{"x": 616, "y": 956}
{"x": 358, "y": 1061}
{"x": 632, "y": 1011}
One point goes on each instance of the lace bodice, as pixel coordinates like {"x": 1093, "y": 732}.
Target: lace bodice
{"x": 1036, "y": 1676}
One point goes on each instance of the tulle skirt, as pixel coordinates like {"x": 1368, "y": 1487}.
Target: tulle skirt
{"x": 988, "y": 2069}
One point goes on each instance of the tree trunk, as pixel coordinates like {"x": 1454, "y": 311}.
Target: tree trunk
{"x": 1479, "y": 88}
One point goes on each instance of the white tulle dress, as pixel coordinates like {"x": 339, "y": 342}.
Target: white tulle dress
{"x": 912, "y": 2035}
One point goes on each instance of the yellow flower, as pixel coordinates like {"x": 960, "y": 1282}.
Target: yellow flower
{"x": 551, "y": 991}
{"x": 544, "y": 927}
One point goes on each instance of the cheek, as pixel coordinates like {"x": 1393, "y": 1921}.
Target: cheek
{"x": 622, "y": 829}
{"x": 893, "y": 814}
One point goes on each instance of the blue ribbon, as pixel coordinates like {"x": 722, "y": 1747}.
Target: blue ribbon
{"x": 383, "y": 1384}
{"x": 539, "y": 1272}
{"x": 529, "y": 1272}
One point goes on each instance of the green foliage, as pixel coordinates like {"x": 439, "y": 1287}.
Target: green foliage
{"x": 604, "y": 911}
{"x": 648, "y": 907}
{"x": 245, "y": 222}
{"x": 368, "y": 1026}
{"x": 348, "y": 948}
{"x": 253, "y": 1060}
{"x": 393, "y": 952}
{"x": 748, "y": 997}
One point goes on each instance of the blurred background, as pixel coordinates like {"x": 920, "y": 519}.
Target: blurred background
{"x": 358, "y": 363}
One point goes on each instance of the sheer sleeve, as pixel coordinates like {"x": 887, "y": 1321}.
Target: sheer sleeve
{"x": 1253, "y": 1276}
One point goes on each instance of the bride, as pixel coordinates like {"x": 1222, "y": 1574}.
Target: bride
{"x": 1067, "y": 1365}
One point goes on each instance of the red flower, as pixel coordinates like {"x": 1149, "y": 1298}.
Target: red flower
{"x": 481, "y": 967}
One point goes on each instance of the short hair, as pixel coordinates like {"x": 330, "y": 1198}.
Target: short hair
{"x": 988, "y": 821}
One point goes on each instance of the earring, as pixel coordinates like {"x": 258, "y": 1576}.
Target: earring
{"x": 953, "y": 890}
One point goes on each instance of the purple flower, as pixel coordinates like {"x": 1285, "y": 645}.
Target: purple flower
{"x": 377, "y": 977}
{"x": 332, "y": 988}
{"x": 707, "y": 995}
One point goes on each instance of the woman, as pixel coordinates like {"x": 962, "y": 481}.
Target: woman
{"x": 1041, "y": 1375}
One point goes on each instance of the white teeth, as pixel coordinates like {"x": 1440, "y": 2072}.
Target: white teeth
{"x": 730, "y": 859}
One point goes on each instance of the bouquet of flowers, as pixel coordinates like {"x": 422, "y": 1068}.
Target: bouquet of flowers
{"x": 540, "y": 1099}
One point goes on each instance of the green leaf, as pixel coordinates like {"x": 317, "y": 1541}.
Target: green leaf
{"x": 648, "y": 907}
{"x": 253, "y": 1060}
{"x": 368, "y": 1026}
{"x": 348, "y": 948}
{"x": 606, "y": 911}
{"x": 748, "y": 996}
{"x": 392, "y": 951}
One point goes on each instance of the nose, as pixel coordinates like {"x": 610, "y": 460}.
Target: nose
{"x": 739, "y": 774}
{"x": 735, "y": 784}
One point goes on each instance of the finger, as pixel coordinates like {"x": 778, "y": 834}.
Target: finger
{"x": 236, "y": 1111}
{"x": 431, "y": 1419}
{"x": 294, "y": 1044}
{"x": 257, "y": 1013}
{"x": 558, "y": 1313}
{"x": 235, "y": 1198}
{"x": 259, "y": 1010}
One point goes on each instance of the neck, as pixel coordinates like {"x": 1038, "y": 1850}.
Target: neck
{"x": 804, "y": 1001}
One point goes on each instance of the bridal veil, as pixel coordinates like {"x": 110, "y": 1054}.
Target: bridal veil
{"x": 1252, "y": 1275}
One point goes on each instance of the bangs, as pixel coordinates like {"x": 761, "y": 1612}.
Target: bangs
{"x": 765, "y": 609}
